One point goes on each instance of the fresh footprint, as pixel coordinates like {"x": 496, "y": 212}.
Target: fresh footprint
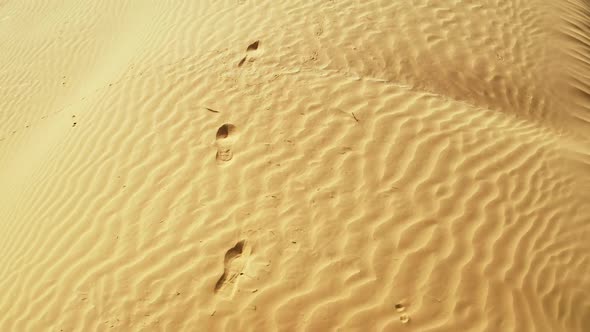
{"x": 224, "y": 140}
{"x": 233, "y": 264}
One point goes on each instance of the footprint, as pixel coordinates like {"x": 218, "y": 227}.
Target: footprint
{"x": 224, "y": 140}
{"x": 252, "y": 47}
{"x": 404, "y": 318}
{"x": 233, "y": 264}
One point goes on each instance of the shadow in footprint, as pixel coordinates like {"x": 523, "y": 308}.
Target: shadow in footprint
{"x": 233, "y": 264}
{"x": 253, "y": 46}
{"x": 224, "y": 141}
{"x": 242, "y": 62}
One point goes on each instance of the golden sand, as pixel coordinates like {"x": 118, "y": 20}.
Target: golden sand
{"x": 416, "y": 165}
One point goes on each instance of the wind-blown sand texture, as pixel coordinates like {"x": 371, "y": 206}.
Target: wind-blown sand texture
{"x": 418, "y": 165}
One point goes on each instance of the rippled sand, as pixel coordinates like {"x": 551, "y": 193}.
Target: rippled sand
{"x": 419, "y": 165}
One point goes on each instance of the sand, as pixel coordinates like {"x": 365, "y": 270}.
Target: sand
{"x": 419, "y": 165}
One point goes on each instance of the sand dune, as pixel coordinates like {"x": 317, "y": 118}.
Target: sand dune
{"x": 295, "y": 165}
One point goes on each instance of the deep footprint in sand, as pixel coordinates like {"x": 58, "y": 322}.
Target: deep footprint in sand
{"x": 233, "y": 264}
{"x": 224, "y": 140}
